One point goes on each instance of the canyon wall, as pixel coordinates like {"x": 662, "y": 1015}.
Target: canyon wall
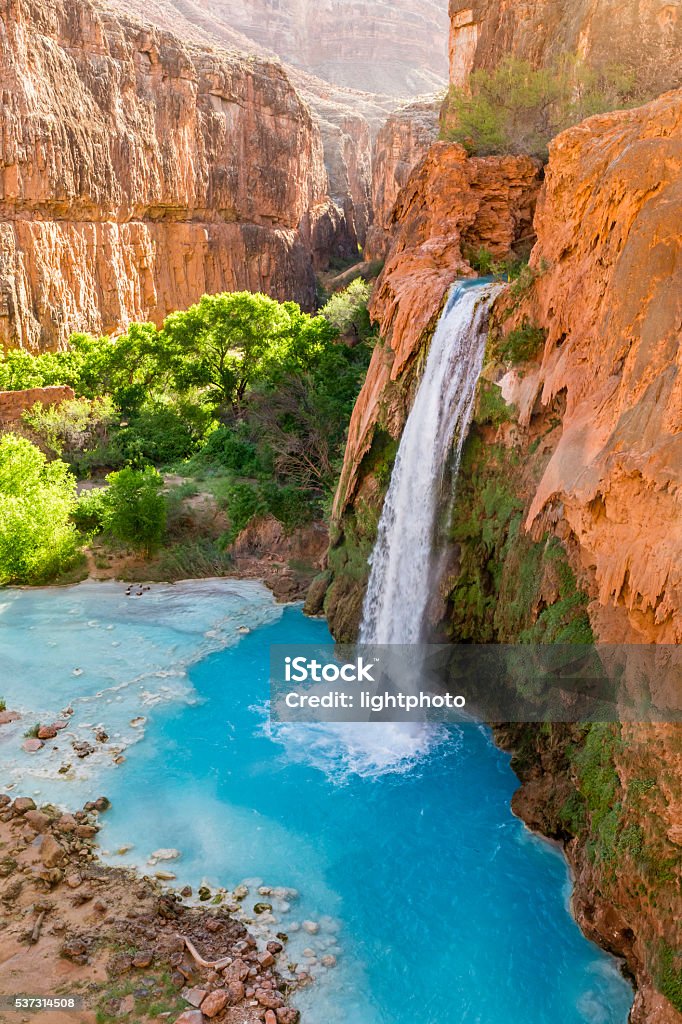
{"x": 567, "y": 515}
{"x": 137, "y": 173}
{"x": 450, "y": 207}
{"x": 404, "y": 140}
{"x": 395, "y": 48}
{"x": 641, "y": 36}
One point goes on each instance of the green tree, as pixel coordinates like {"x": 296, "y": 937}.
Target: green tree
{"x": 347, "y": 310}
{"x": 37, "y": 539}
{"x": 135, "y": 508}
{"x": 226, "y": 340}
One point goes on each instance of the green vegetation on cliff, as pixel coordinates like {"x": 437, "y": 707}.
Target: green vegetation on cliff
{"x": 518, "y": 108}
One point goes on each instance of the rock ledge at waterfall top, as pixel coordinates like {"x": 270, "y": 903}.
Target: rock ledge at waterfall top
{"x": 451, "y": 204}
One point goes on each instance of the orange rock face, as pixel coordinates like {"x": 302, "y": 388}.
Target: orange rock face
{"x": 451, "y": 204}
{"x": 137, "y": 173}
{"x": 403, "y": 141}
{"x": 609, "y": 294}
{"x": 640, "y": 36}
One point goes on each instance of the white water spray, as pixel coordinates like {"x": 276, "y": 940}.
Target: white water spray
{"x": 402, "y": 562}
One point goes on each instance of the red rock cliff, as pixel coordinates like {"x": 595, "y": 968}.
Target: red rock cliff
{"x": 451, "y": 204}
{"x": 644, "y": 36}
{"x": 609, "y": 294}
{"x": 137, "y": 173}
{"x": 403, "y": 141}
{"x": 396, "y": 47}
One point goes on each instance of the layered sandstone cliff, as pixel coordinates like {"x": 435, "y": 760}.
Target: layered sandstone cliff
{"x": 402, "y": 143}
{"x": 640, "y": 36}
{"x": 137, "y": 173}
{"x": 608, "y": 292}
{"x": 568, "y": 510}
{"x": 397, "y": 48}
{"x": 451, "y": 206}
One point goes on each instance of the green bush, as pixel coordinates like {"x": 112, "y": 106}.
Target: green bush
{"x": 516, "y": 108}
{"x": 228, "y": 448}
{"x": 523, "y": 343}
{"x": 158, "y": 434}
{"x": 135, "y": 509}
{"x": 347, "y": 310}
{"x": 37, "y": 539}
{"x": 72, "y": 428}
{"x": 669, "y": 974}
{"x": 242, "y": 502}
{"x": 89, "y": 514}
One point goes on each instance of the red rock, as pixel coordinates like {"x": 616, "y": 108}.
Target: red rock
{"x": 214, "y": 1003}
{"x": 66, "y": 823}
{"x": 235, "y": 992}
{"x": 450, "y": 203}
{"x": 47, "y": 732}
{"x": 50, "y": 851}
{"x": 143, "y": 958}
{"x": 31, "y": 745}
{"x": 288, "y": 1015}
{"x": 38, "y": 820}
{"x": 190, "y": 1017}
{"x": 270, "y": 1017}
{"x": 23, "y": 804}
{"x": 8, "y": 716}
{"x": 194, "y": 996}
{"x": 265, "y": 959}
{"x": 271, "y": 1000}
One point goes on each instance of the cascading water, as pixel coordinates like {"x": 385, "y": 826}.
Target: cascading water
{"x": 403, "y": 558}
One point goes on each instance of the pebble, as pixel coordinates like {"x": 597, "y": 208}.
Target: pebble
{"x": 311, "y": 927}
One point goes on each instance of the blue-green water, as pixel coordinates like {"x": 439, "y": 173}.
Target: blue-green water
{"x": 437, "y": 903}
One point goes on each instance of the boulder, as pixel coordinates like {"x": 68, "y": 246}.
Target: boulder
{"x": 235, "y": 992}
{"x": 214, "y": 1003}
{"x": 194, "y": 996}
{"x": 32, "y": 745}
{"x": 287, "y": 1015}
{"x": 47, "y": 732}
{"x": 271, "y": 1000}
{"x": 23, "y": 804}
{"x": 190, "y": 1017}
{"x": 9, "y": 716}
{"x": 38, "y": 820}
{"x": 50, "y": 851}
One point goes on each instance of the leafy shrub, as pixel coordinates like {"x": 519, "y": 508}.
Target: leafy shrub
{"x": 89, "y": 514}
{"x": 157, "y": 434}
{"x": 228, "y": 448}
{"x": 135, "y": 509}
{"x": 37, "y": 539}
{"x": 72, "y": 427}
{"x": 517, "y": 108}
{"x": 669, "y": 974}
{"x": 491, "y": 406}
{"x": 523, "y": 343}
{"x": 347, "y": 310}
{"x": 242, "y": 502}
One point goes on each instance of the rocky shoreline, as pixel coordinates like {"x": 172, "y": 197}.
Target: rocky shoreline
{"x": 127, "y": 946}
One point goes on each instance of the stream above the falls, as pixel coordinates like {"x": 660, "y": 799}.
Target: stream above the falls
{"x": 437, "y": 903}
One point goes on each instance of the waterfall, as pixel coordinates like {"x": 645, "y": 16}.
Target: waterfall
{"x": 402, "y": 562}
